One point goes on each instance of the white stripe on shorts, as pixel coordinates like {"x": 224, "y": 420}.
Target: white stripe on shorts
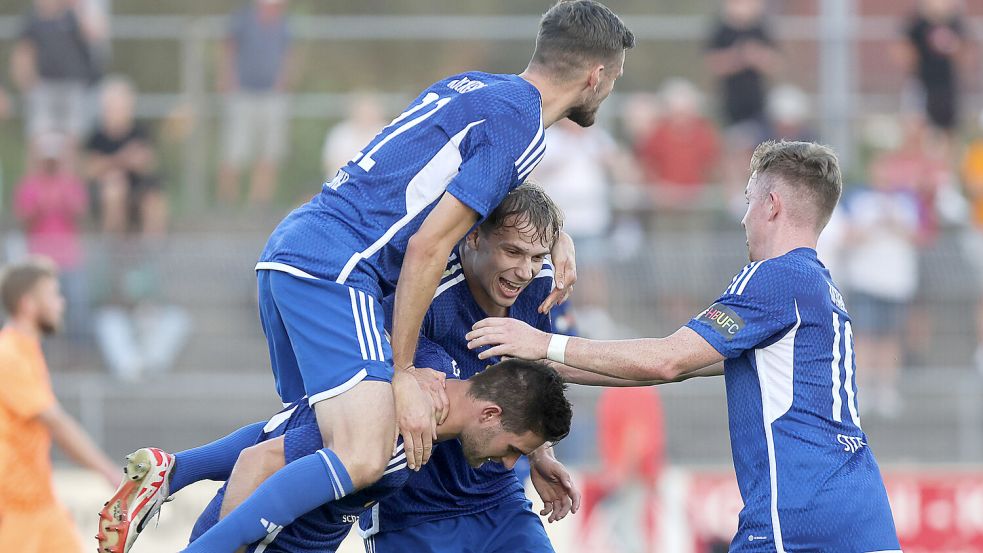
{"x": 338, "y": 390}
{"x": 370, "y": 345}
{"x": 358, "y": 323}
{"x": 283, "y": 268}
{"x": 375, "y": 329}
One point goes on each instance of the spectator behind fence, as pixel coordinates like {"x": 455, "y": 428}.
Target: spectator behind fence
{"x": 33, "y": 521}
{"x": 253, "y": 74}
{"x": 53, "y": 63}
{"x": 680, "y": 153}
{"x": 741, "y": 54}
{"x": 788, "y": 112}
{"x": 51, "y": 203}
{"x": 136, "y": 328}
{"x": 577, "y": 172}
{"x": 364, "y": 119}
{"x": 882, "y": 277}
{"x": 622, "y": 498}
{"x": 917, "y": 165}
{"x": 121, "y": 163}
{"x": 935, "y": 40}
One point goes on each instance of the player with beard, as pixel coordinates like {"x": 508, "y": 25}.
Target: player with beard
{"x": 508, "y": 410}
{"x": 31, "y": 518}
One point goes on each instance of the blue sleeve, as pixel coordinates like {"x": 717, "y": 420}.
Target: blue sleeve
{"x": 489, "y": 154}
{"x": 538, "y": 291}
{"x": 430, "y": 355}
{"x": 755, "y": 308}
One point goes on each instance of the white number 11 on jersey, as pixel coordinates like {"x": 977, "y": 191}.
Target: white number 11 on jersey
{"x": 847, "y": 360}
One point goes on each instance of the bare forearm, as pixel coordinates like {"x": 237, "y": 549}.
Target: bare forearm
{"x": 573, "y": 375}
{"x": 419, "y": 276}
{"x": 646, "y": 359}
{"x": 76, "y": 443}
{"x": 717, "y": 369}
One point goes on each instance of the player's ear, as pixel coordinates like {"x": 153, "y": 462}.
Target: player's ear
{"x": 472, "y": 239}
{"x": 594, "y": 77}
{"x": 774, "y": 205}
{"x": 490, "y": 413}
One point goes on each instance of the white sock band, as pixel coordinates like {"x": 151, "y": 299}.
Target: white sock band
{"x": 557, "y": 349}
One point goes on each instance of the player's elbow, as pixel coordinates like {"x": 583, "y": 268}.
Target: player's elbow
{"x": 53, "y": 418}
{"x": 661, "y": 369}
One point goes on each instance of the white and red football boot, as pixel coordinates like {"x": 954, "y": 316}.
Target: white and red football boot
{"x": 144, "y": 489}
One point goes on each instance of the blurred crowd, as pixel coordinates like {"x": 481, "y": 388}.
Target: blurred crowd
{"x": 674, "y": 162}
{"x": 93, "y": 196}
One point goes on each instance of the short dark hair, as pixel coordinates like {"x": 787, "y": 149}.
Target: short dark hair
{"x": 806, "y": 166}
{"x": 19, "y": 280}
{"x": 531, "y": 209}
{"x": 574, "y": 32}
{"x": 531, "y": 395}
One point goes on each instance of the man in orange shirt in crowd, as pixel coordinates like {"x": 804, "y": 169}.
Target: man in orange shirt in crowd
{"x": 31, "y": 519}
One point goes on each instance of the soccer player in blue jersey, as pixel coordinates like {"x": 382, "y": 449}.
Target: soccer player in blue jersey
{"x": 499, "y": 270}
{"x": 386, "y": 223}
{"x": 510, "y": 409}
{"x": 804, "y": 467}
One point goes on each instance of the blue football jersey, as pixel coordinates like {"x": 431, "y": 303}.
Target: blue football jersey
{"x": 447, "y": 486}
{"x": 475, "y": 135}
{"x": 806, "y": 473}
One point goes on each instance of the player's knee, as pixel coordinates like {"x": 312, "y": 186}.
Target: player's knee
{"x": 366, "y": 469}
{"x": 261, "y": 460}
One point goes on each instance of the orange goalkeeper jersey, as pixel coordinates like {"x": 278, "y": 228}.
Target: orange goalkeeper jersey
{"x": 25, "y": 443}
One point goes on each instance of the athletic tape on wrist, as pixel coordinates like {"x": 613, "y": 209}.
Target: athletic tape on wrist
{"x": 557, "y": 349}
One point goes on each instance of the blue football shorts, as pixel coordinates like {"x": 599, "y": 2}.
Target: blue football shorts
{"x": 324, "y": 337}
{"x": 510, "y": 527}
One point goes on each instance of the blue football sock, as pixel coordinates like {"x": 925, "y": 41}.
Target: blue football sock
{"x": 212, "y": 461}
{"x": 294, "y": 490}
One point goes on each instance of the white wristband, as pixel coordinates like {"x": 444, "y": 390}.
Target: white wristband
{"x": 557, "y": 349}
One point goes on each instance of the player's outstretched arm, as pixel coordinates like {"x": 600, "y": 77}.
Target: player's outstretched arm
{"x": 76, "y": 443}
{"x": 646, "y": 359}
{"x": 424, "y": 262}
{"x": 573, "y": 375}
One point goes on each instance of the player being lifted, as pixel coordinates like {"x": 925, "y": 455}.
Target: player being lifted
{"x": 386, "y": 224}
{"x": 807, "y": 476}
{"x": 464, "y": 505}
{"x": 450, "y": 498}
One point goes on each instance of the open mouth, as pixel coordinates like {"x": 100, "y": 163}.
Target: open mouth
{"x": 509, "y": 288}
